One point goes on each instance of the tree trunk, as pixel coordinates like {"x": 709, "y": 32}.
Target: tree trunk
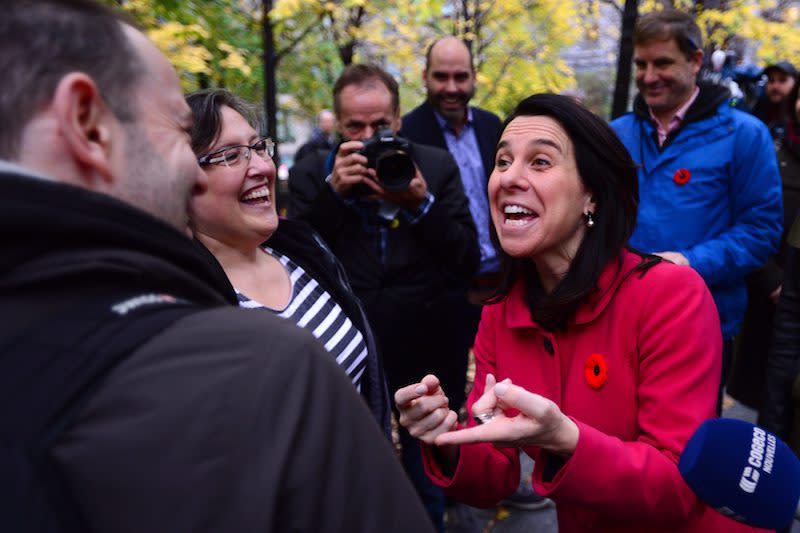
{"x": 620, "y": 103}
{"x": 270, "y": 96}
{"x": 346, "y": 53}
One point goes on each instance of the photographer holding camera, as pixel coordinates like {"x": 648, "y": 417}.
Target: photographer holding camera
{"x": 380, "y": 167}
{"x": 395, "y": 214}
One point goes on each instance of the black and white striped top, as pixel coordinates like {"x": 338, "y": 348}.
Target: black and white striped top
{"x": 311, "y": 307}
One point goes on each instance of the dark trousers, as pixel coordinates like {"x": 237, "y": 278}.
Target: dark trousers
{"x": 432, "y": 496}
{"x": 727, "y": 357}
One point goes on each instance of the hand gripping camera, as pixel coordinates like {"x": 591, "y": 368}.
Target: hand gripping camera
{"x": 391, "y": 157}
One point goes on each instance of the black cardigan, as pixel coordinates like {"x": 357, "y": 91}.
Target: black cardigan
{"x": 301, "y": 244}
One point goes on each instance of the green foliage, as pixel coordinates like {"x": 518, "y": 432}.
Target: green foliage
{"x": 517, "y": 43}
{"x": 772, "y": 25}
{"x": 211, "y": 43}
{"x": 218, "y": 43}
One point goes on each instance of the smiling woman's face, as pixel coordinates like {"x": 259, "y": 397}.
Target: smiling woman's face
{"x": 239, "y": 205}
{"x": 536, "y": 194}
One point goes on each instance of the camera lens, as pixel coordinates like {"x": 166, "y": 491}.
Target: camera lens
{"x": 395, "y": 170}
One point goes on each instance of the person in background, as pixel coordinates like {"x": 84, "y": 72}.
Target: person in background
{"x": 709, "y": 185}
{"x": 780, "y": 412}
{"x": 593, "y": 358}
{"x": 720, "y": 71}
{"x": 281, "y": 267}
{"x": 776, "y": 106}
{"x": 322, "y": 137}
{"x": 409, "y": 252}
{"x": 469, "y": 133}
{"x": 447, "y": 120}
{"x": 135, "y": 395}
{"x": 747, "y": 380}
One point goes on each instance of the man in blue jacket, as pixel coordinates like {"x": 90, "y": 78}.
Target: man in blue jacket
{"x": 709, "y": 184}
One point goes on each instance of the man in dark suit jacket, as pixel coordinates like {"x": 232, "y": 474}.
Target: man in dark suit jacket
{"x": 409, "y": 254}
{"x": 470, "y": 134}
{"x": 449, "y": 78}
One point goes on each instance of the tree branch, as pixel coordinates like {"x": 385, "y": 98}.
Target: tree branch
{"x": 503, "y": 69}
{"x": 613, "y": 4}
{"x": 294, "y": 42}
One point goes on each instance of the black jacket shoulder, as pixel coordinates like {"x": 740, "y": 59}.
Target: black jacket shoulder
{"x": 239, "y": 419}
{"x": 420, "y": 126}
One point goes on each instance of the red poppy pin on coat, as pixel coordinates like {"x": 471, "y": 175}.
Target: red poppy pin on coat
{"x": 595, "y": 370}
{"x": 682, "y": 176}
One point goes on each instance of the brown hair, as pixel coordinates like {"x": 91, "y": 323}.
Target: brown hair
{"x": 364, "y": 74}
{"x": 669, "y": 24}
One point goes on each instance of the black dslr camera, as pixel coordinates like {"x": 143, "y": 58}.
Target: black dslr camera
{"x": 391, "y": 157}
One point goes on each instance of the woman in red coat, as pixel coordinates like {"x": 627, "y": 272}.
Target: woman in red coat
{"x": 595, "y": 360}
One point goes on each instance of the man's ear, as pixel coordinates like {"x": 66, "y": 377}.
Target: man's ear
{"x": 85, "y": 123}
{"x": 424, "y": 77}
{"x": 697, "y": 60}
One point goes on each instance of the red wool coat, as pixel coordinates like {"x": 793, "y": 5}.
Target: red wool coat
{"x": 657, "y": 334}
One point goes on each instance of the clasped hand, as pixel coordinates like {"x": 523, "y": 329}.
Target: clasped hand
{"x": 538, "y": 422}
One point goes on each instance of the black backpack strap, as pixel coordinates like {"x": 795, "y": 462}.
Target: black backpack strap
{"x": 58, "y": 364}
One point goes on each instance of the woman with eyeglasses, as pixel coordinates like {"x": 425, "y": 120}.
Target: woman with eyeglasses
{"x": 282, "y": 266}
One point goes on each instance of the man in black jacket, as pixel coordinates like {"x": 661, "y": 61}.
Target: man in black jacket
{"x": 781, "y": 410}
{"x": 752, "y": 346}
{"x": 322, "y": 138}
{"x": 409, "y": 253}
{"x": 134, "y": 397}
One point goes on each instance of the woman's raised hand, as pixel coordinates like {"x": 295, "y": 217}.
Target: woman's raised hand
{"x": 424, "y": 409}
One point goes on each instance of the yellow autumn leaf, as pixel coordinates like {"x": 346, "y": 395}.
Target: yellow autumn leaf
{"x": 234, "y": 60}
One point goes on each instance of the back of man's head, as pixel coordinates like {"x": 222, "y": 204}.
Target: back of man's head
{"x": 42, "y": 41}
{"x": 667, "y": 24}
{"x": 77, "y": 75}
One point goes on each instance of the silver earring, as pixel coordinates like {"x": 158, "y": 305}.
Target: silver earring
{"x": 589, "y": 219}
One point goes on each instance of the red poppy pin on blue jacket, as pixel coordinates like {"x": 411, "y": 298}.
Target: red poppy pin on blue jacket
{"x": 682, "y": 176}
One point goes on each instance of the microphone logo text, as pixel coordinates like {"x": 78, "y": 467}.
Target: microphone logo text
{"x": 762, "y": 456}
{"x": 749, "y": 480}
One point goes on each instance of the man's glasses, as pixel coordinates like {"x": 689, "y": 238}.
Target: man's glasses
{"x": 233, "y": 155}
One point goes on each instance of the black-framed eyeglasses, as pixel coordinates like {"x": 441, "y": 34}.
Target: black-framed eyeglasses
{"x": 233, "y": 155}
